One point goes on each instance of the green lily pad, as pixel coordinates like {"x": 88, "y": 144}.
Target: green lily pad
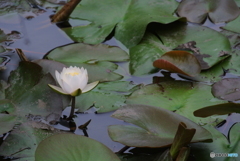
{"x": 233, "y": 25}
{"x": 180, "y": 96}
{"x": 49, "y": 66}
{"x": 3, "y": 36}
{"x": 220, "y": 109}
{"x": 38, "y": 100}
{"x": 155, "y": 127}
{"x": 73, "y": 147}
{"x": 232, "y": 37}
{"x": 179, "y": 62}
{"x": 6, "y": 106}
{"x": 181, "y": 37}
{"x": 220, "y": 144}
{"x": 228, "y": 68}
{"x": 29, "y": 74}
{"x": 51, "y": 3}
{"x": 23, "y": 140}
{"x": 34, "y": 105}
{"x": 95, "y": 58}
{"x": 227, "y": 89}
{"x": 25, "y": 7}
{"x": 129, "y": 18}
{"x": 7, "y": 122}
{"x": 3, "y": 86}
{"x": 218, "y": 10}
{"x": 7, "y": 6}
{"x": 115, "y": 92}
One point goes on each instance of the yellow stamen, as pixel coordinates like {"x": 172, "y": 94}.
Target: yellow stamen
{"x": 73, "y": 73}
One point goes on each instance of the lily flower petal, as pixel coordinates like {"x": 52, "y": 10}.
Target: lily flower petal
{"x": 58, "y": 77}
{"x": 68, "y": 88}
{"x": 90, "y": 86}
{"x": 73, "y": 81}
{"x": 57, "y": 89}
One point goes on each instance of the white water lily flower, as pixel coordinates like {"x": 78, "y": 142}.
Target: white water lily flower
{"x": 73, "y": 81}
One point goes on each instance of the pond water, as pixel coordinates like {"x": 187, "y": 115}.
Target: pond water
{"x": 37, "y": 36}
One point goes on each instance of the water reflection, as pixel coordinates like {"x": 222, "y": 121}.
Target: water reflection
{"x": 36, "y": 36}
{"x": 97, "y": 128}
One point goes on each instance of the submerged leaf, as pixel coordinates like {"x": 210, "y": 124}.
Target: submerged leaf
{"x": 179, "y": 62}
{"x": 73, "y": 147}
{"x": 218, "y": 10}
{"x": 156, "y": 127}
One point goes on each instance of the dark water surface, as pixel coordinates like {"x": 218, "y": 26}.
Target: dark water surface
{"x": 36, "y": 37}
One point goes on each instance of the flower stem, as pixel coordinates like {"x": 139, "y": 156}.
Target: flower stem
{"x": 72, "y": 108}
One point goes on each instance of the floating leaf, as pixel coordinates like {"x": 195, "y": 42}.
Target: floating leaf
{"x": 180, "y": 96}
{"x": 179, "y": 36}
{"x": 220, "y": 144}
{"x": 220, "y": 109}
{"x": 233, "y": 25}
{"x": 227, "y": 89}
{"x": 21, "y": 7}
{"x": 179, "y": 62}
{"x": 29, "y": 98}
{"x": 122, "y": 15}
{"x": 155, "y": 126}
{"x": 6, "y": 122}
{"x": 3, "y": 86}
{"x": 29, "y": 74}
{"x": 218, "y": 10}
{"x": 3, "y": 37}
{"x": 95, "y": 58}
{"x": 29, "y": 92}
{"x": 115, "y": 92}
{"x": 6, "y": 106}
{"x": 225, "y": 68}
{"x": 49, "y": 66}
{"x": 23, "y": 140}
{"x": 73, "y": 147}
{"x": 7, "y": 6}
